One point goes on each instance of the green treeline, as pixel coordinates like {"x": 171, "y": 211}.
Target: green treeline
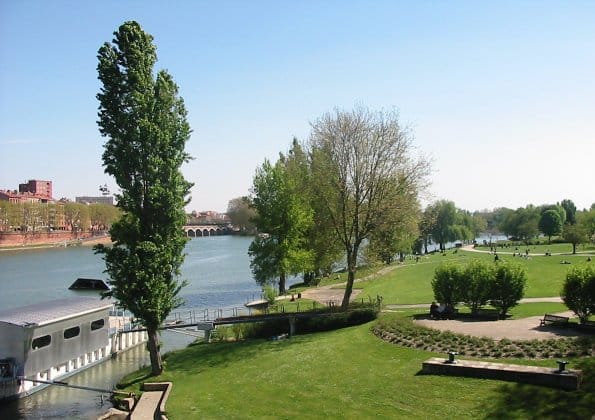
{"x": 45, "y": 217}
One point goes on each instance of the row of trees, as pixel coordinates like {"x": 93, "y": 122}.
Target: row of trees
{"x": 562, "y": 219}
{"x": 502, "y": 284}
{"x": 35, "y": 217}
{"x": 443, "y": 222}
{"x": 356, "y": 180}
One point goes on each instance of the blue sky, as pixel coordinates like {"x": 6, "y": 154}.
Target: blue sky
{"x": 500, "y": 94}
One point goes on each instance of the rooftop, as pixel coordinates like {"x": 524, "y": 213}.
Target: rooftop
{"x": 47, "y": 312}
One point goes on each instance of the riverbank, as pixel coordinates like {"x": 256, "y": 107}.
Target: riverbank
{"x": 21, "y": 242}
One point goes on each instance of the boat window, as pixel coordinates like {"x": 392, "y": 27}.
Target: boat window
{"x": 71, "y": 332}
{"x": 39, "y": 342}
{"x": 98, "y": 324}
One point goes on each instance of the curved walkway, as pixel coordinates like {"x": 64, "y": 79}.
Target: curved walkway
{"x": 512, "y": 329}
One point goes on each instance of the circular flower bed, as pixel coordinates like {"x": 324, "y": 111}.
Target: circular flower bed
{"x": 404, "y": 333}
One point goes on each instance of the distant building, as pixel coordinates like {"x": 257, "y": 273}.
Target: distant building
{"x": 96, "y": 200}
{"x": 39, "y": 188}
{"x": 17, "y": 197}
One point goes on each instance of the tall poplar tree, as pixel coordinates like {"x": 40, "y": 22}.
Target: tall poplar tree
{"x": 144, "y": 121}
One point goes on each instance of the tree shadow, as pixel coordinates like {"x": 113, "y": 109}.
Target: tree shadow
{"x": 197, "y": 358}
{"x": 536, "y": 402}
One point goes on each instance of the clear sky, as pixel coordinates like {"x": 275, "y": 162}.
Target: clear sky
{"x": 500, "y": 94}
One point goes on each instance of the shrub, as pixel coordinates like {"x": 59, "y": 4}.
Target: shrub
{"x": 475, "y": 284}
{"x": 578, "y": 291}
{"x": 507, "y": 286}
{"x": 447, "y": 283}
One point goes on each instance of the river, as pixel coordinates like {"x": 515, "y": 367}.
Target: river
{"x": 218, "y": 273}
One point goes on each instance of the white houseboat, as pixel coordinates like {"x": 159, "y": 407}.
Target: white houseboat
{"x": 50, "y": 341}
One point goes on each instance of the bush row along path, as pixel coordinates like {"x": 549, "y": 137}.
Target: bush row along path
{"x": 513, "y": 329}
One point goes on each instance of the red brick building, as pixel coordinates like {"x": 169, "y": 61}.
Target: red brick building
{"x": 39, "y": 188}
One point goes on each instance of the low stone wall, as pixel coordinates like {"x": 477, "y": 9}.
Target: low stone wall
{"x": 16, "y": 239}
{"x": 151, "y": 404}
{"x": 535, "y": 375}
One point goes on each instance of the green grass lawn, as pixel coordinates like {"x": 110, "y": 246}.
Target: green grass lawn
{"x": 352, "y": 374}
{"x": 544, "y": 247}
{"x": 347, "y": 373}
{"x": 411, "y": 283}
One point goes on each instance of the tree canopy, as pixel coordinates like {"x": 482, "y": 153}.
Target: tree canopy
{"x": 144, "y": 121}
{"x": 283, "y": 220}
{"x": 550, "y": 223}
{"x": 361, "y": 161}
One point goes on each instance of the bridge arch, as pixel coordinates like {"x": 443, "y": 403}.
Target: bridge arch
{"x": 198, "y": 231}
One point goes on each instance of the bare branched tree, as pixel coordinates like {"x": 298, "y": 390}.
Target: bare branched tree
{"x": 361, "y": 161}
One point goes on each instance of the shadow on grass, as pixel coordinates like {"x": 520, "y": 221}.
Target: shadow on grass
{"x": 196, "y": 358}
{"x": 134, "y": 380}
{"x": 534, "y": 402}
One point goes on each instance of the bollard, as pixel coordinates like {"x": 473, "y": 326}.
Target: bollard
{"x": 451, "y": 357}
{"x": 562, "y": 366}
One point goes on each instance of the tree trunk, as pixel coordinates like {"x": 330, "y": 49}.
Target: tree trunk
{"x": 351, "y": 268}
{"x": 282, "y": 278}
{"x": 154, "y": 352}
{"x": 573, "y": 248}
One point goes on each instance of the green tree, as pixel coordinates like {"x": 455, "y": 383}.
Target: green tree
{"x": 450, "y": 223}
{"x": 570, "y": 211}
{"x": 242, "y": 214}
{"x": 574, "y": 234}
{"x": 426, "y": 225}
{"x": 479, "y": 224}
{"x": 586, "y": 219}
{"x": 324, "y": 246}
{"x": 578, "y": 291}
{"x": 507, "y": 286}
{"x": 447, "y": 284}
{"x": 397, "y": 231}
{"x": 360, "y": 161}
{"x": 550, "y": 223}
{"x": 521, "y": 223}
{"x": 144, "y": 121}
{"x": 556, "y": 207}
{"x": 283, "y": 219}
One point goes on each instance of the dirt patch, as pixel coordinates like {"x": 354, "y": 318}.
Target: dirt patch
{"x": 327, "y": 294}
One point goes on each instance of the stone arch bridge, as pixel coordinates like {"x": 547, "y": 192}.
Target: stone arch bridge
{"x": 197, "y": 231}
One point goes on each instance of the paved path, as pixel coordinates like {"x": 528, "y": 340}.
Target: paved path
{"x": 513, "y": 329}
{"x": 517, "y": 329}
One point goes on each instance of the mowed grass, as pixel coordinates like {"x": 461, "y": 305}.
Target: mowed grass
{"x": 544, "y": 247}
{"x": 352, "y": 374}
{"x": 412, "y": 282}
{"x": 347, "y": 373}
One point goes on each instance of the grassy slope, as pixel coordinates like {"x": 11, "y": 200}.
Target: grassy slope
{"x": 352, "y": 374}
{"x": 345, "y": 374}
{"x": 341, "y": 374}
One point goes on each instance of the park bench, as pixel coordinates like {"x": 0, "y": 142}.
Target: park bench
{"x": 554, "y": 320}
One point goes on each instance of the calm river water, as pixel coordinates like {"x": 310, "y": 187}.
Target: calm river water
{"x": 218, "y": 273}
